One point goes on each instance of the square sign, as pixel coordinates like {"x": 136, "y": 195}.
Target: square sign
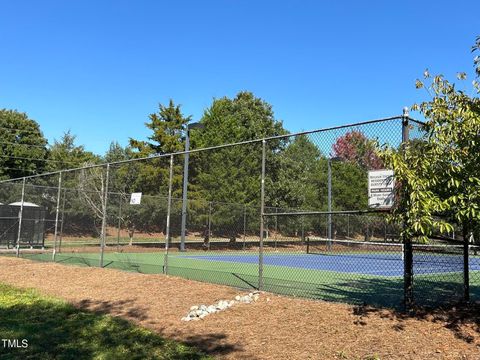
{"x": 380, "y": 189}
{"x": 136, "y": 198}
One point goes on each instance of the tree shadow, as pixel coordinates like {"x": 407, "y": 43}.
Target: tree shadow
{"x": 431, "y": 291}
{"x": 437, "y": 298}
{"x": 214, "y": 344}
{"x": 123, "y": 308}
{"x": 457, "y": 318}
{"x": 55, "y": 329}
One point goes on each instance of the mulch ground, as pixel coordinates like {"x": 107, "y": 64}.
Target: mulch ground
{"x": 275, "y": 327}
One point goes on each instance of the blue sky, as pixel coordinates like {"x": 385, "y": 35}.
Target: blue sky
{"x": 98, "y": 68}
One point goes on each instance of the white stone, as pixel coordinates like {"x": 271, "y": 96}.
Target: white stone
{"x": 199, "y": 312}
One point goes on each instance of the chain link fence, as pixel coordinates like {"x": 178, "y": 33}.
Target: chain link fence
{"x": 287, "y": 214}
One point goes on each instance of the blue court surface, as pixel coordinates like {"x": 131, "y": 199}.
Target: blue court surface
{"x": 371, "y": 264}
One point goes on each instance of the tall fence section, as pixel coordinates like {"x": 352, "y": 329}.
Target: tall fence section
{"x": 287, "y": 214}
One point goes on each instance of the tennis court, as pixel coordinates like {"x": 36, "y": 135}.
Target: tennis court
{"x": 337, "y": 271}
{"x": 382, "y": 265}
{"x": 322, "y": 255}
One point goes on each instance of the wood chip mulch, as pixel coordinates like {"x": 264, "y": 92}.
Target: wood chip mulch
{"x": 275, "y": 327}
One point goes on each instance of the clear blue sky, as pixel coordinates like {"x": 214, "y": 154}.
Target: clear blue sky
{"x": 99, "y": 68}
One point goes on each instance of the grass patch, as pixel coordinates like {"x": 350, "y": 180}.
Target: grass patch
{"x": 56, "y": 329}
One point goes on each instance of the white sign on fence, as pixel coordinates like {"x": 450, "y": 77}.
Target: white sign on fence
{"x": 136, "y": 198}
{"x": 380, "y": 188}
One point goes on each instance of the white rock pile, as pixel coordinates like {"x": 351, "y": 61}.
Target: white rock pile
{"x": 199, "y": 312}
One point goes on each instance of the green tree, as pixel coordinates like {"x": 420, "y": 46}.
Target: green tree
{"x": 65, "y": 154}
{"x": 117, "y": 152}
{"x": 295, "y": 187}
{"x": 168, "y": 128}
{"x": 233, "y": 174}
{"x": 122, "y": 175}
{"x": 150, "y": 175}
{"x": 242, "y": 118}
{"x": 440, "y": 184}
{"x": 23, "y": 148}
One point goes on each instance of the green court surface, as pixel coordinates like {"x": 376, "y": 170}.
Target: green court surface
{"x": 356, "y": 288}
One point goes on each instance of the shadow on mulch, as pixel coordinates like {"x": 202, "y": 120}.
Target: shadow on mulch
{"x": 114, "y": 308}
{"x": 212, "y": 343}
{"x": 437, "y": 299}
{"x": 454, "y": 318}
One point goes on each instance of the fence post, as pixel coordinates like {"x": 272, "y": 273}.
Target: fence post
{"x": 183, "y": 227}
{"x": 57, "y": 211}
{"x": 262, "y": 209}
{"x": 244, "y": 225}
{"x": 276, "y": 228}
{"x": 466, "y": 265}
{"x": 20, "y": 219}
{"x": 119, "y": 224}
{"x": 104, "y": 218}
{"x": 348, "y": 226}
{"x": 169, "y": 207}
{"x": 407, "y": 241}
{"x": 61, "y": 221}
{"x": 209, "y": 224}
{"x": 385, "y": 230}
{"x": 329, "y": 200}
{"x": 302, "y": 230}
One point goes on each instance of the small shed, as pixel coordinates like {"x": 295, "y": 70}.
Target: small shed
{"x": 33, "y": 225}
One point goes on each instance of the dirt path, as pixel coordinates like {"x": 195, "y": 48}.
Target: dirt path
{"x": 281, "y": 328}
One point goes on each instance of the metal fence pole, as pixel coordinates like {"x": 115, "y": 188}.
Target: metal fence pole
{"x": 329, "y": 196}
{"x": 276, "y": 228}
{"x": 209, "y": 224}
{"x": 104, "y": 218}
{"x": 348, "y": 226}
{"x": 302, "y": 222}
{"x": 262, "y": 209}
{"x": 407, "y": 241}
{"x": 184, "y": 193}
{"x": 466, "y": 265}
{"x": 244, "y": 225}
{"x": 57, "y": 211}
{"x": 61, "y": 221}
{"x": 385, "y": 230}
{"x": 119, "y": 224}
{"x": 169, "y": 207}
{"x": 20, "y": 219}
